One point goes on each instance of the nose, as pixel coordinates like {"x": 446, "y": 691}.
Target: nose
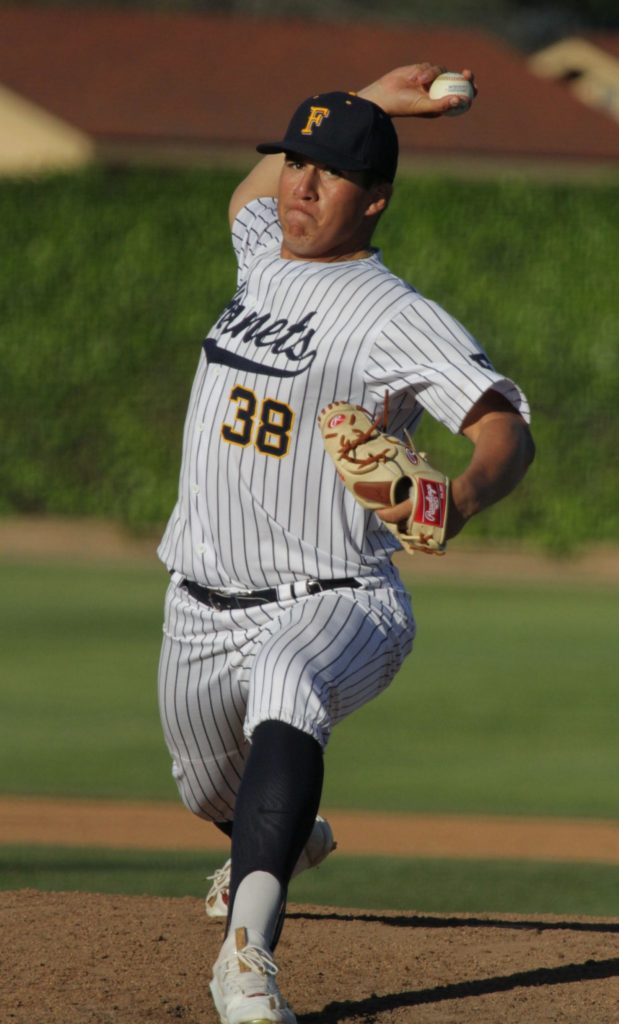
{"x": 305, "y": 185}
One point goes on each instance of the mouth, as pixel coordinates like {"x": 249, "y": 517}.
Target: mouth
{"x": 297, "y": 221}
{"x": 296, "y": 210}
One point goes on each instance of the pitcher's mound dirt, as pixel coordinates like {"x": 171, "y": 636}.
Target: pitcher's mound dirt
{"x": 73, "y": 958}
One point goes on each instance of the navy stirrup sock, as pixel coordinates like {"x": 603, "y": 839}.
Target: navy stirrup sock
{"x": 277, "y": 802}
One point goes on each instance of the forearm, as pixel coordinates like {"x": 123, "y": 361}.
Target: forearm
{"x": 262, "y": 181}
{"x": 403, "y": 92}
{"x": 398, "y": 91}
{"x": 503, "y": 452}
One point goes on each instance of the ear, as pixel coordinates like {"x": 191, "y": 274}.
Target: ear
{"x": 380, "y": 195}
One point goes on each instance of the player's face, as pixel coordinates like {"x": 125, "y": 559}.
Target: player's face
{"x": 325, "y": 214}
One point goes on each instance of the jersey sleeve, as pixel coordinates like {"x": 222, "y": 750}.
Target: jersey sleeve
{"x": 424, "y": 350}
{"x": 256, "y": 227}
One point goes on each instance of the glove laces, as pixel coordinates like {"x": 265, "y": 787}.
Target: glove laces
{"x": 377, "y": 426}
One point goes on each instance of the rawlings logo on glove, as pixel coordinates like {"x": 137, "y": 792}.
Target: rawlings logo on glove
{"x": 382, "y": 471}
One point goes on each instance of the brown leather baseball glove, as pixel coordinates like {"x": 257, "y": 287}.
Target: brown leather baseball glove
{"x": 382, "y": 471}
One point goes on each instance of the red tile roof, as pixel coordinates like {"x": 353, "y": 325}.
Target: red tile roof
{"x": 146, "y": 77}
{"x": 607, "y": 41}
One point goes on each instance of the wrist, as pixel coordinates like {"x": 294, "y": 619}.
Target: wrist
{"x": 462, "y": 506}
{"x": 372, "y": 93}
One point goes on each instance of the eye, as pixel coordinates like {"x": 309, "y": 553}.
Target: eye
{"x": 333, "y": 172}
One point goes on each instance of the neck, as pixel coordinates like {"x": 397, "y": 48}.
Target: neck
{"x": 358, "y": 254}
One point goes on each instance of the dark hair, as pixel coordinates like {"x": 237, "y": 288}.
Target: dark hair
{"x": 371, "y": 178}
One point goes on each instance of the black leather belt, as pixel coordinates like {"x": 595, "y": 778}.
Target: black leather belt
{"x": 221, "y": 601}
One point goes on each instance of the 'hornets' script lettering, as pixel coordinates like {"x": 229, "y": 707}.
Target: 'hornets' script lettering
{"x": 289, "y": 342}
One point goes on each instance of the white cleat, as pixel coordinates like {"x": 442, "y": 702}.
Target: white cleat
{"x": 244, "y": 989}
{"x": 216, "y": 903}
{"x": 318, "y": 847}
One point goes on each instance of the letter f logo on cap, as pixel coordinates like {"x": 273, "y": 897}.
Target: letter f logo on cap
{"x": 315, "y": 119}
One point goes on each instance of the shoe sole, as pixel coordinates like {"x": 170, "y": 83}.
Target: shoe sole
{"x": 218, "y": 1000}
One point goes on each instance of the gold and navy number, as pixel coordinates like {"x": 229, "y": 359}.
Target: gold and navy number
{"x": 273, "y": 437}
{"x": 240, "y": 431}
{"x": 266, "y": 424}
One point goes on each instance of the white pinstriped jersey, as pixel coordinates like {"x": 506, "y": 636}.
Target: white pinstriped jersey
{"x": 259, "y": 501}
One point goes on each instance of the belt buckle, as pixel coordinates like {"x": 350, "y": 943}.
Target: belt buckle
{"x": 222, "y": 601}
{"x": 314, "y": 587}
{"x": 245, "y": 599}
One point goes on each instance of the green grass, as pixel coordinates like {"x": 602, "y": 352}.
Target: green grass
{"x": 97, "y": 374}
{"x": 78, "y": 707}
{"x": 429, "y": 886}
{"x": 507, "y": 705}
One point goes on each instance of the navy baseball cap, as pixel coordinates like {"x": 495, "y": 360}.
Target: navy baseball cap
{"x": 344, "y": 131}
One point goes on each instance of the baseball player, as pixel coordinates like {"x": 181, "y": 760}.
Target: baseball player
{"x": 284, "y": 612}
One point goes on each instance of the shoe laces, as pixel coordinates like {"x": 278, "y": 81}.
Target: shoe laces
{"x": 259, "y": 969}
{"x": 220, "y": 879}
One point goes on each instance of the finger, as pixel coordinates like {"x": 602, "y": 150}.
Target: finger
{"x": 395, "y": 513}
{"x": 453, "y": 103}
{"x": 424, "y": 74}
{"x": 470, "y": 77}
{"x": 435, "y": 108}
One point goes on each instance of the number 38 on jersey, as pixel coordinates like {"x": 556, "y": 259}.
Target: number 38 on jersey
{"x": 265, "y": 423}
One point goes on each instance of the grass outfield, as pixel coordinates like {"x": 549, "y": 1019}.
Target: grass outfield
{"x": 437, "y": 885}
{"x": 508, "y": 704}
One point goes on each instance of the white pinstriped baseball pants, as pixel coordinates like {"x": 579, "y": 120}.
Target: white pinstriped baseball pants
{"x": 309, "y": 661}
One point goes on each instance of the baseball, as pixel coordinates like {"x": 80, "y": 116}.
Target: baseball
{"x": 452, "y": 84}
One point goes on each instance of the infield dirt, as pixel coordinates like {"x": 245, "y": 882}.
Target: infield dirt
{"x": 74, "y": 958}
